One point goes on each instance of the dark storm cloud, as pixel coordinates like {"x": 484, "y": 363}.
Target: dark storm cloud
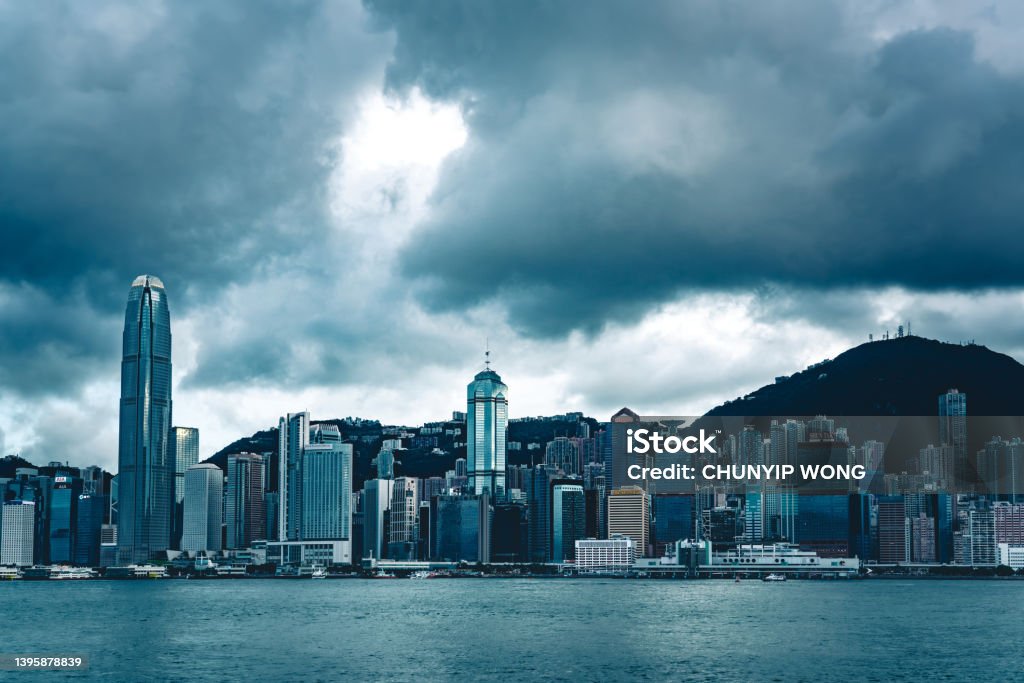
{"x": 625, "y": 154}
{"x": 190, "y": 140}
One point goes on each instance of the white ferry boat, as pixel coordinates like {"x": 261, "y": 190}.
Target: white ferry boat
{"x": 64, "y": 573}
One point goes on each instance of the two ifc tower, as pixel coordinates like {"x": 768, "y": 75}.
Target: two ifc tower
{"x": 146, "y": 468}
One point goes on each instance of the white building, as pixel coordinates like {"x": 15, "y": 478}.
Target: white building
{"x": 19, "y": 519}
{"x": 203, "y": 513}
{"x": 322, "y": 552}
{"x": 1011, "y": 555}
{"x": 615, "y": 554}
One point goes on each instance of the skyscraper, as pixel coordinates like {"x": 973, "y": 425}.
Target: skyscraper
{"x": 953, "y": 432}
{"x": 18, "y": 533}
{"x": 204, "y": 495}
{"x": 245, "y": 504}
{"x": 486, "y": 425}
{"x": 376, "y": 506}
{"x": 63, "y": 516}
{"x": 567, "y": 519}
{"x": 184, "y": 444}
{"x": 91, "y": 510}
{"x": 403, "y": 532}
{"x": 327, "y": 491}
{"x": 145, "y": 462}
{"x": 563, "y": 454}
{"x": 629, "y": 515}
{"x": 293, "y": 437}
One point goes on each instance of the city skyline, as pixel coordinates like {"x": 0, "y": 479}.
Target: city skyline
{"x": 717, "y": 196}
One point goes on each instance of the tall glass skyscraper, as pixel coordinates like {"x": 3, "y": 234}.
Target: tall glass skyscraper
{"x": 486, "y": 425}
{"x": 185, "y": 447}
{"x": 953, "y": 432}
{"x": 293, "y": 437}
{"x": 244, "y": 508}
{"x": 145, "y": 461}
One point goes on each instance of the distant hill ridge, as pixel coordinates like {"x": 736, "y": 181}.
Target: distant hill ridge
{"x": 898, "y": 377}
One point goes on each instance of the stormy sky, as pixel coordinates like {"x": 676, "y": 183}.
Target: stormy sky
{"x": 657, "y": 204}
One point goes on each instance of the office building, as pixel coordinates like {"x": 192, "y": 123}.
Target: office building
{"x": 510, "y": 533}
{"x": 292, "y": 439}
{"x": 538, "y": 496}
{"x": 63, "y": 514}
{"x": 376, "y": 517}
{"x": 486, "y": 431}
{"x": 568, "y": 523}
{"x": 92, "y": 509}
{"x": 184, "y": 445}
{"x": 244, "y": 507}
{"x": 893, "y": 543}
{"x": 617, "y": 459}
{"x": 403, "y": 531}
{"x": 629, "y": 516}
{"x": 145, "y": 461}
{"x": 1011, "y": 556}
{"x": 953, "y": 433}
{"x": 612, "y": 555}
{"x": 463, "y": 529}
{"x": 17, "y": 533}
{"x": 327, "y": 491}
{"x": 203, "y": 508}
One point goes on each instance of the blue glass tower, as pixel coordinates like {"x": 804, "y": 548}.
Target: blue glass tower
{"x": 486, "y": 425}
{"x": 145, "y": 461}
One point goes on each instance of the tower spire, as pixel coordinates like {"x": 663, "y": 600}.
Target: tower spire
{"x": 487, "y": 353}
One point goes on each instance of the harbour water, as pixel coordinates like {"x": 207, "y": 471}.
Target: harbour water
{"x": 519, "y": 629}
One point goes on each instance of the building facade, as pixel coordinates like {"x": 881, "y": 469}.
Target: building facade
{"x": 486, "y": 432}
{"x": 145, "y": 461}
{"x": 244, "y": 507}
{"x": 611, "y": 555}
{"x": 203, "y": 513}
{"x": 629, "y": 516}
{"x": 293, "y": 437}
{"x": 17, "y": 533}
{"x": 184, "y": 444}
{"x": 327, "y": 491}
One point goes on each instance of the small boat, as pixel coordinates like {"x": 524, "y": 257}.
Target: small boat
{"x": 318, "y": 573}
{"x": 381, "y": 574}
{"x": 423, "y": 575}
{"x": 774, "y": 577}
{"x": 736, "y": 579}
